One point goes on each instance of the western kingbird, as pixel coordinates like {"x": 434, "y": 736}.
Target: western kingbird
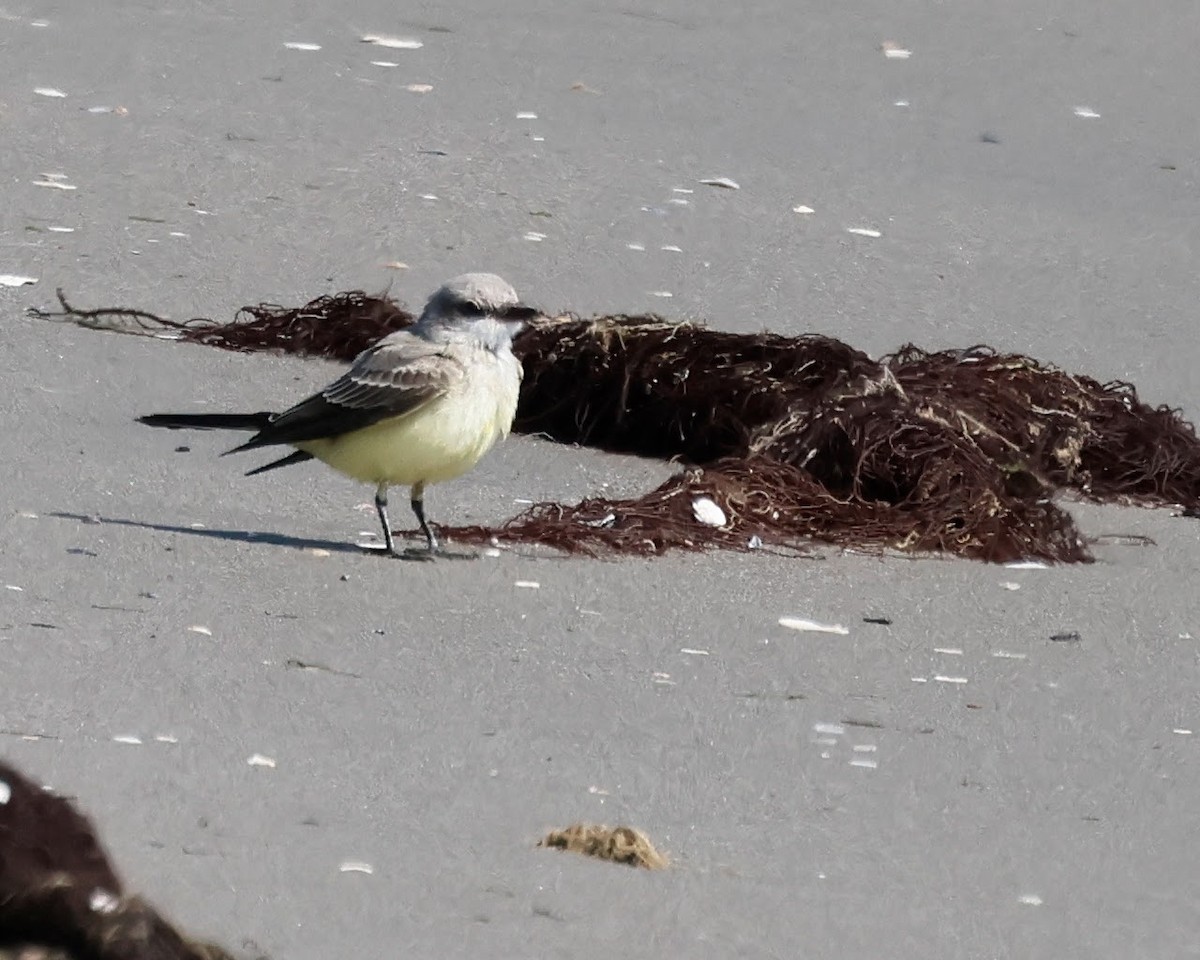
{"x": 421, "y": 406}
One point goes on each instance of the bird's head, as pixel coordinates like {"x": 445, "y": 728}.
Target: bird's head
{"x": 481, "y": 303}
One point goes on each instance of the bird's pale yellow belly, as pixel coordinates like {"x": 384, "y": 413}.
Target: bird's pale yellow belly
{"x": 435, "y": 443}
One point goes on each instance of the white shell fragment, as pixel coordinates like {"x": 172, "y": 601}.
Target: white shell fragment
{"x": 665, "y": 294}
{"x": 419, "y": 87}
{"x": 708, "y": 512}
{"x": 126, "y": 738}
{"x": 61, "y": 229}
{"x": 864, "y": 231}
{"x": 803, "y": 209}
{"x": 303, "y": 46}
{"x": 723, "y": 182}
{"x": 258, "y": 760}
{"x": 166, "y": 738}
{"x": 1026, "y": 565}
{"x": 941, "y": 678}
{"x": 55, "y": 184}
{"x": 355, "y": 866}
{"x": 5, "y": 793}
{"x": 527, "y": 115}
{"x": 528, "y": 585}
{"x": 201, "y": 630}
{"x": 812, "y": 626}
{"x": 392, "y": 43}
{"x": 635, "y": 246}
{"x": 692, "y": 651}
{"x": 864, "y": 762}
{"x": 101, "y": 901}
{"x": 1182, "y": 731}
{"x": 1087, "y": 113}
{"x": 1030, "y": 900}
{"x": 893, "y": 51}
{"x": 831, "y": 729}
{"x": 534, "y": 237}
{"x": 384, "y": 63}
{"x": 671, "y": 248}
{"x": 49, "y": 92}
{"x": 15, "y": 280}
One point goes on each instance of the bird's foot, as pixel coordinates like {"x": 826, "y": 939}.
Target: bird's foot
{"x": 419, "y": 554}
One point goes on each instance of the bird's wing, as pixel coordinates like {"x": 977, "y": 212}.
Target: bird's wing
{"x": 398, "y": 376}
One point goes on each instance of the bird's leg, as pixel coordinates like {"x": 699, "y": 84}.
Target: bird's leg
{"x": 381, "y": 509}
{"x": 418, "y": 508}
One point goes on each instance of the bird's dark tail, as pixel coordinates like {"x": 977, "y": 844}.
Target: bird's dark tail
{"x": 208, "y": 421}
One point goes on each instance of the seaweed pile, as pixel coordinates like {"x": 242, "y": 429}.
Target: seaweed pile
{"x": 60, "y": 898}
{"x": 794, "y": 439}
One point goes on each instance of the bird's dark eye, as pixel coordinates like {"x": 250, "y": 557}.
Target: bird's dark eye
{"x": 468, "y": 308}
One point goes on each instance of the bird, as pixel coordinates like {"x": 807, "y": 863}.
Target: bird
{"x": 419, "y": 407}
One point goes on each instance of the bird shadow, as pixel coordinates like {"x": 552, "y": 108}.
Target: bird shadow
{"x": 242, "y": 536}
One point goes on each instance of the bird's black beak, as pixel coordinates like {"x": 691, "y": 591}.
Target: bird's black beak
{"x": 519, "y": 313}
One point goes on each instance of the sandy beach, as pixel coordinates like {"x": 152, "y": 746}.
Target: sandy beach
{"x": 299, "y": 750}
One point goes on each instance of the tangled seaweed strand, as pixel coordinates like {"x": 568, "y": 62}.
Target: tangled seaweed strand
{"x": 59, "y": 895}
{"x": 795, "y": 438}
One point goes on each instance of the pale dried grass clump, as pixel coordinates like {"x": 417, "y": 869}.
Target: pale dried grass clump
{"x": 625, "y": 845}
